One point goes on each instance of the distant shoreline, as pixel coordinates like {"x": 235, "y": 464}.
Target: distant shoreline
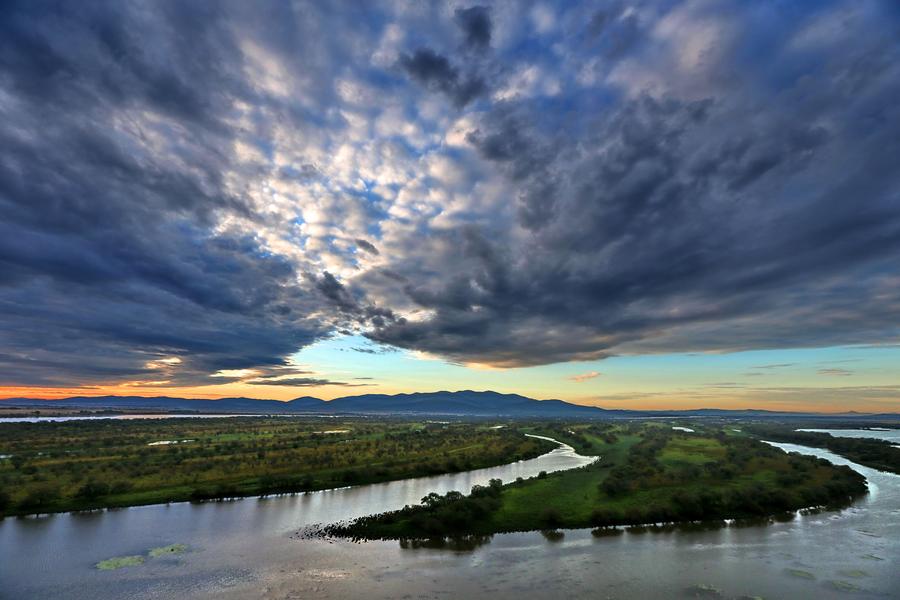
{"x": 459, "y": 404}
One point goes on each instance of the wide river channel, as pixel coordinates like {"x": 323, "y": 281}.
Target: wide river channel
{"x": 249, "y": 549}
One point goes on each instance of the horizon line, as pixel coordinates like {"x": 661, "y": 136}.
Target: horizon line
{"x": 846, "y": 412}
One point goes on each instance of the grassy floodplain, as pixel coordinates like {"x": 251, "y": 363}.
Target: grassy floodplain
{"x": 648, "y": 473}
{"x": 78, "y": 465}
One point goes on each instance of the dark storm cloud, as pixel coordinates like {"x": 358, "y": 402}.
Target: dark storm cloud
{"x": 728, "y": 221}
{"x": 475, "y": 23}
{"x": 187, "y": 189}
{"x": 278, "y": 371}
{"x": 108, "y": 260}
{"x": 103, "y": 59}
{"x": 435, "y": 72}
{"x": 304, "y": 382}
{"x": 350, "y": 304}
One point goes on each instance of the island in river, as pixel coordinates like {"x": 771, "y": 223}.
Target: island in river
{"x": 647, "y": 473}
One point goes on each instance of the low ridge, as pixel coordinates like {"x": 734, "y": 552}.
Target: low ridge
{"x": 459, "y": 404}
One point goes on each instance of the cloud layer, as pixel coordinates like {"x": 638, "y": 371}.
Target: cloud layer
{"x": 190, "y": 192}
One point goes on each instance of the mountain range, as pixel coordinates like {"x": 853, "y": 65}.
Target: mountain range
{"x": 466, "y": 403}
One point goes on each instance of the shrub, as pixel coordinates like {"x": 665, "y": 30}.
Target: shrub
{"x": 121, "y": 487}
{"x": 617, "y": 483}
{"x": 200, "y": 494}
{"x": 92, "y": 490}
{"x": 550, "y": 517}
{"x": 40, "y": 497}
{"x": 605, "y": 516}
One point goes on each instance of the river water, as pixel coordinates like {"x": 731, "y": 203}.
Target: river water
{"x": 122, "y": 417}
{"x": 888, "y": 435}
{"x": 246, "y": 549}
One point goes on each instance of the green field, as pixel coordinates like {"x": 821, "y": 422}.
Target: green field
{"x": 647, "y": 473}
{"x": 78, "y": 465}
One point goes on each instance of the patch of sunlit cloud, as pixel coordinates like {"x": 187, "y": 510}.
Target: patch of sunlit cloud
{"x": 582, "y": 377}
{"x": 422, "y": 355}
{"x": 236, "y": 373}
{"x": 162, "y": 363}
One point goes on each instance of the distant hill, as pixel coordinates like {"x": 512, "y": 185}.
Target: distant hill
{"x": 466, "y": 403}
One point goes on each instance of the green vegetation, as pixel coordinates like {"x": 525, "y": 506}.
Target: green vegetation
{"x": 79, "y": 465}
{"x": 703, "y": 590}
{"x": 854, "y": 573}
{"x": 878, "y": 454}
{"x": 872, "y": 557}
{"x": 119, "y": 562}
{"x": 800, "y": 573}
{"x": 843, "y": 586}
{"x": 110, "y": 564}
{"x": 170, "y": 550}
{"x": 648, "y": 473}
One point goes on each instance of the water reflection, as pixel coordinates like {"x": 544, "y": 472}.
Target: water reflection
{"x": 243, "y": 549}
{"x": 45, "y": 556}
{"x": 131, "y": 417}
{"x": 553, "y": 535}
{"x": 888, "y": 435}
{"x": 459, "y": 543}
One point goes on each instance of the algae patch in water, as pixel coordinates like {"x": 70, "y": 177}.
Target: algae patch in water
{"x": 855, "y": 573}
{"x": 119, "y": 562}
{"x": 702, "y": 590}
{"x": 844, "y": 586}
{"x": 170, "y": 550}
{"x": 800, "y": 573}
{"x": 871, "y": 557}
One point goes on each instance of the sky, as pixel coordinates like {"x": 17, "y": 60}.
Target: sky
{"x": 631, "y": 204}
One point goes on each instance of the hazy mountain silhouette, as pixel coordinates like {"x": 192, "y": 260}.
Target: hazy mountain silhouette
{"x": 460, "y": 404}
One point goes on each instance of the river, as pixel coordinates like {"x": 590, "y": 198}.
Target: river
{"x": 245, "y": 549}
{"x": 888, "y": 435}
{"x": 131, "y": 416}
